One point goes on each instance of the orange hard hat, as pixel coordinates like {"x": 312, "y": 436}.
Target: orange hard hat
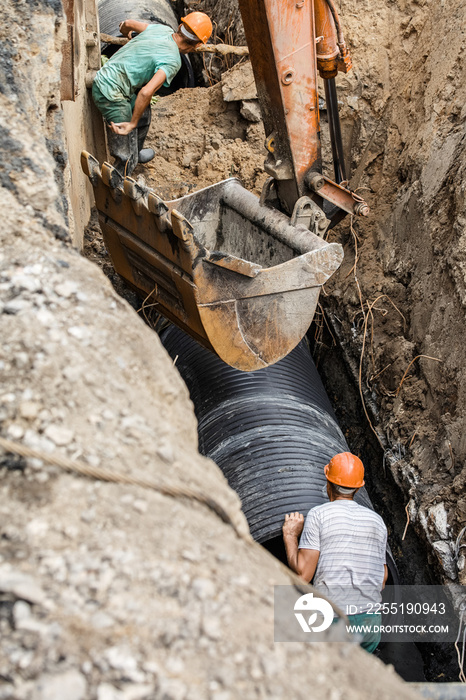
{"x": 345, "y": 469}
{"x": 199, "y": 24}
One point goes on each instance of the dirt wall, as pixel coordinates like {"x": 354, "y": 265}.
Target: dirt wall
{"x": 404, "y": 120}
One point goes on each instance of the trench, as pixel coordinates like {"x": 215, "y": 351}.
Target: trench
{"x": 271, "y": 432}
{"x": 338, "y": 397}
{"x": 413, "y": 662}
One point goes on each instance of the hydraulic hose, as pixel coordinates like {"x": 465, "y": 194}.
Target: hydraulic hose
{"x": 335, "y": 130}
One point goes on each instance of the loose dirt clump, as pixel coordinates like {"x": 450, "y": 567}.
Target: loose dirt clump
{"x": 200, "y": 139}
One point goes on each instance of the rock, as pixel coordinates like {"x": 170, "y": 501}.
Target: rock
{"x": 203, "y": 588}
{"x": 22, "y": 586}
{"x": 26, "y": 283}
{"x": 462, "y": 569}
{"x": 444, "y": 553}
{"x": 101, "y": 620}
{"x": 29, "y": 410}
{"x": 38, "y": 442}
{"x": 70, "y": 685}
{"x": 87, "y": 516}
{"x": 211, "y": 627}
{"x": 172, "y": 689}
{"x": 21, "y": 613}
{"x": 138, "y": 691}
{"x": 250, "y": 110}
{"x": 79, "y": 332}
{"x": 15, "y": 431}
{"x": 45, "y": 317}
{"x": 21, "y": 360}
{"x": 66, "y": 289}
{"x": 140, "y": 505}
{"x": 438, "y": 517}
{"x": 37, "y": 528}
{"x": 106, "y": 691}
{"x": 15, "y": 306}
{"x": 59, "y": 435}
{"x": 165, "y": 452}
{"x": 238, "y": 84}
{"x": 121, "y": 659}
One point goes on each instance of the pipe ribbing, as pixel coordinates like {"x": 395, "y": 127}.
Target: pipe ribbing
{"x": 271, "y": 431}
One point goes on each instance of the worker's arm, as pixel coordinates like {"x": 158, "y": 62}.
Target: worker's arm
{"x": 385, "y": 575}
{"x": 132, "y": 25}
{"x": 301, "y": 561}
{"x": 142, "y": 102}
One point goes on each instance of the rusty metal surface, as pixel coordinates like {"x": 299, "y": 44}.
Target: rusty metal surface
{"x": 231, "y": 272}
{"x": 296, "y": 38}
{"x": 283, "y": 58}
{"x": 326, "y": 40}
{"x": 349, "y": 201}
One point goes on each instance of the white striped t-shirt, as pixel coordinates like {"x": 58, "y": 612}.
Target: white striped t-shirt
{"x": 352, "y": 542}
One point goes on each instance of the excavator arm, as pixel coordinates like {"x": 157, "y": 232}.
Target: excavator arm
{"x": 242, "y": 275}
{"x": 289, "y": 43}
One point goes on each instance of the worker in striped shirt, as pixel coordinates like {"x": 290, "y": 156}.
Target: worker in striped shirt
{"x": 342, "y": 548}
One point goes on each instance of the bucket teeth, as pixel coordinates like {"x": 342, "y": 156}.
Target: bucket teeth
{"x": 159, "y": 209}
{"x": 111, "y": 177}
{"x": 156, "y": 205}
{"x": 181, "y": 227}
{"x": 90, "y": 167}
{"x": 136, "y": 194}
{"x": 114, "y": 181}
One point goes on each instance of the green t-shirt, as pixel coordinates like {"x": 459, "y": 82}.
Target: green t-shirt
{"x": 137, "y": 62}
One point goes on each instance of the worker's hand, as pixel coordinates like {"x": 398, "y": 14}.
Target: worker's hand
{"x": 122, "y": 128}
{"x": 293, "y": 525}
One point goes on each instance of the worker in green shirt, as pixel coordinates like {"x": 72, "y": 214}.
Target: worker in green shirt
{"x": 124, "y": 86}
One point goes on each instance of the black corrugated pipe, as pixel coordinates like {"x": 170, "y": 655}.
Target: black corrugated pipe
{"x": 271, "y": 432}
{"x": 112, "y": 12}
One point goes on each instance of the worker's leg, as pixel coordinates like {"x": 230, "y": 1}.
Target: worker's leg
{"x": 369, "y": 629}
{"x": 144, "y": 154}
{"x": 123, "y": 148}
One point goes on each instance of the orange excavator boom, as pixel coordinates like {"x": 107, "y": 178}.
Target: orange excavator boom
{"x": 289, "y": 43}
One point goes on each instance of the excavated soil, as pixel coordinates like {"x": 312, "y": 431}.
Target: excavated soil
{"x": 200, "y": 139}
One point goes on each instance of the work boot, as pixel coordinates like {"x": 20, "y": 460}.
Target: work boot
{"x": 143, "y": 127}
{"x": 124, "y": 150}
{"x": 145, "y": 155}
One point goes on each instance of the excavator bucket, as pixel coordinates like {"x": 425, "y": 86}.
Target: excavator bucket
{"x": 239, "y": 276}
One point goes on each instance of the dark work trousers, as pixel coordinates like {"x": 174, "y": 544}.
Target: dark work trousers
{"x": 125, "y": 149}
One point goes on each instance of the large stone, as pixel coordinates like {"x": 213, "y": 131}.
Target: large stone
{"x": 70, "y": 685}
{"x": 250, "y": 110}
{"x": 238, "y": 84}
